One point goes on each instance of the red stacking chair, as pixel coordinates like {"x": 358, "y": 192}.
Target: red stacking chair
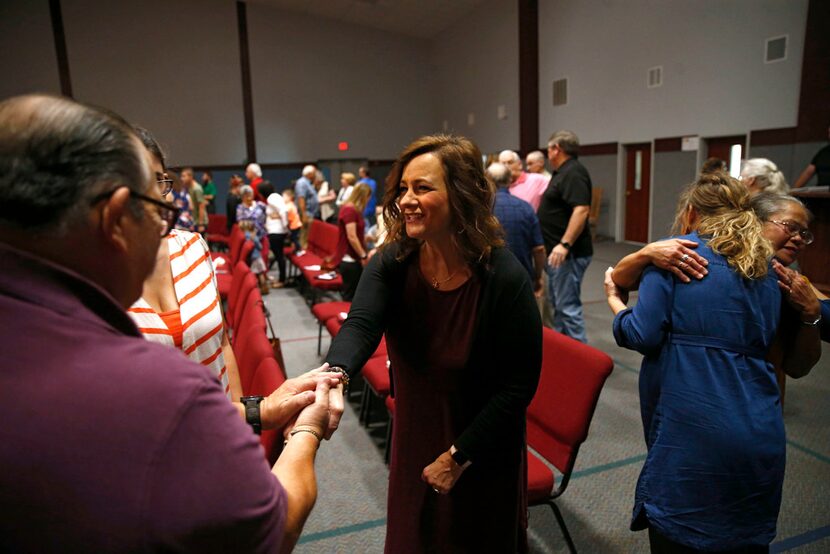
{"x": 250, "y": 315}
{"x": 376, "y": 383}
{"x": 324, "y": 311}
{"x": 267, "y": 379}
{"x": 333, "y": 326}
{"x": 217, "y": 234}
{"x": 240, "y": 252}
{"x": 251, "y": 348}
{"x": 241, "y": 284}
{"x": 560, "y": 414}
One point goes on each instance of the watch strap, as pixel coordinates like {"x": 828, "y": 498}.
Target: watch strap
{"x": 813, "y": 323}
{"x": 567, "y": 245}
{"x": 252, "y": 413}
{"x": 459, "y": 457}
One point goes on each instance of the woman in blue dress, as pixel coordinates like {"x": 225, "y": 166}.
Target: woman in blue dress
{"x": 709, "y": 400}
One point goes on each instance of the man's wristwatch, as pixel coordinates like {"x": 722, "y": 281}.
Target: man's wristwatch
{"x": 252, "y": 414}
{"x": 459, "y": 457}
{"x": 567, "y": 245}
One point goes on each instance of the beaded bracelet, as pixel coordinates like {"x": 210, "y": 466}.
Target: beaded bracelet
{"x": 344, "y": 377}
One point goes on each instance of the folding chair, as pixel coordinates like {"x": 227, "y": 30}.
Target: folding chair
{"x": 267, "y": 378}
{"x": 560, "y": 415}
{"x": 324, "y": 311}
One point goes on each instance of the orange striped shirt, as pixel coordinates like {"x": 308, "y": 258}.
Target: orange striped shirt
{"x": 199, "y": 319}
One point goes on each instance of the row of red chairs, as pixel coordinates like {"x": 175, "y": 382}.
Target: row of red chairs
{"x": 558, "y": 418}
{"x": 260, "y": 371}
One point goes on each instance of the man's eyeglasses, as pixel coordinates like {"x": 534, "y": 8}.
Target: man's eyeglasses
{"x": 168, "y": 213}
{"x": 165, "y": 183}
{"x": 795, "y": 229}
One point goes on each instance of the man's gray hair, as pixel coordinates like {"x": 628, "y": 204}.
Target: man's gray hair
{"x": 537, "y": 155}
{"x": 508, "y": 156}
{"x": 309, "y": 171}
{"x": 255, "y": 169}
{"x": 767, "y": 204}
{"x": 500, "y": 174}
{"x": 57, "y": 156}
{"x": 567, "y": 141}
{"x": 245, "y": 189}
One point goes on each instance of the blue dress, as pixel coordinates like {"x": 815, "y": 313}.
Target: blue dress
{"x": 710, "y": 406}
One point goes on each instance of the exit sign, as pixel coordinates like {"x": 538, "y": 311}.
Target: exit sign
{"x": 343, "y": 146}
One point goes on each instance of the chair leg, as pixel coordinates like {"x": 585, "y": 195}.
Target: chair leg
{"x": 388, "y": 450}
{"x": 561, "y": 521}
{"x": 364, "y": 401}
{"x": 319, "y": 337}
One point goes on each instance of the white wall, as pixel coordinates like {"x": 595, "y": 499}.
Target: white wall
{"x": 172, "y": 67}
{"x": 319, "y": 81}
{"x": 715, "y": 80}
{"x": 27, "y": 49}
{"x": 477, "y": 67}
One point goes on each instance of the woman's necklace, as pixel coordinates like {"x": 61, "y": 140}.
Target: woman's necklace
{"x": 436, "y": 284}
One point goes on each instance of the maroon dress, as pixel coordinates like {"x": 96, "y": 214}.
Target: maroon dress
{"x": 429, "y": 347}
{"x": 465, "y": 365}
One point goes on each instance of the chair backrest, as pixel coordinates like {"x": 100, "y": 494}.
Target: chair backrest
{"x": 560, "y": 414}
{"x": 237, "y": 279}
{"x": 331, "y": 235}
{"x": 237, "y": 237}
{"x": 265, "y": 249}
{"x": 236, "y": 310}
{"x": 267, "y": 378}
{"x": 251, "y": 348}
{"x": 217, "y": 224}
{"x": 252, "y": 311}
{"x": 244, "y": 253}
{"x": 322, "y": 238}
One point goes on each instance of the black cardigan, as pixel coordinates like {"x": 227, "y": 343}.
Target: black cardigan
{"x": 506, "y": 355}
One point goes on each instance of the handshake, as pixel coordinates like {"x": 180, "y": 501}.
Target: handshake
{"x": 311, "y": 402}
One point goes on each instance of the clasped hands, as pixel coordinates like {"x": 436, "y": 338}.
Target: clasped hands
{"x": 313, "y": 399}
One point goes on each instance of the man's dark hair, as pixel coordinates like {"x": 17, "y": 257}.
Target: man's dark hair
{"x": 56, "y": 155}
{"x": 150, "y": 143}
{"x": 265, "y": 189}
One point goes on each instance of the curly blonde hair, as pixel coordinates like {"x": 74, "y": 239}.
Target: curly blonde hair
{"x": 724, "y": 214}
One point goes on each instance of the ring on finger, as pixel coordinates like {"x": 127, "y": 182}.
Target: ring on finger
{"x": 684, "y": 257}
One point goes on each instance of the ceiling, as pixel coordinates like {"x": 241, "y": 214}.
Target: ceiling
{"x": 418, "y": 18}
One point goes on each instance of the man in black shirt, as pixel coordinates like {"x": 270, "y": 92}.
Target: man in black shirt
{"x": 819, "y": 165}
{"x": 563, "y": 215}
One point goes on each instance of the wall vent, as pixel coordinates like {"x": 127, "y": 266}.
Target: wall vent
{"x": 776, "y": 49}
{"x": 655, "y": 77}
{"x": 560, "y": 92}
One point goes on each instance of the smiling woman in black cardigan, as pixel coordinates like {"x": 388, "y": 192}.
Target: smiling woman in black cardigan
{"x": 465, "y": 346}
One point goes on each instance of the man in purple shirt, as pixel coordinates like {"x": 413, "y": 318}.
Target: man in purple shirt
{"x": 111, "y": 443}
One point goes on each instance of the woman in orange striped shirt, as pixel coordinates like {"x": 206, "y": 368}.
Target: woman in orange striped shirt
{"x": 180, "y": 304}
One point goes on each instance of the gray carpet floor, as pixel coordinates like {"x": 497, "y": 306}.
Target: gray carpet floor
{"x": 351, "y": 506}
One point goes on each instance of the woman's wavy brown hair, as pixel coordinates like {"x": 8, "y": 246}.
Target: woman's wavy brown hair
{"x": 470, "y": 192}
{"x": 725, "y": 214}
